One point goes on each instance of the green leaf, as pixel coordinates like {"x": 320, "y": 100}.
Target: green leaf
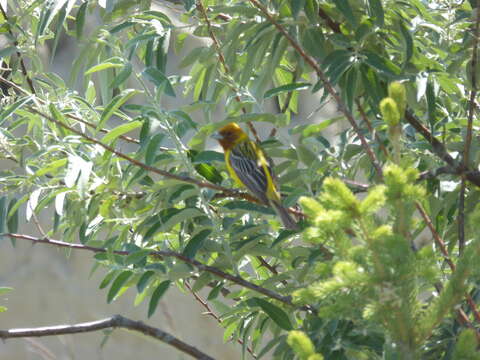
{"x": 344, "y": 7}
{"x": 144, "y": 280}
{"x": 80, "y": 21}
{"x": 375, "y": 10}
{"x": 274, "y": 312}
{"x": 122, "y": 76}
{"x": 115, "y": 104}
{"x": 159, "y": 79}
{"x": 120, "y": 130}
{"x": 51, "y": 167}
{"x": 14, "y": 107}
{"x": 3, "y": 214}
{"x": 5, "y": 52}
{"x": 114, "y": 62}
{"x": 381, "y": 63}
{"x": 12, "y": 222}
{"x": 156, "y": 296}
{"x": 407, "y": 37}
{"x": 152, "y": 148}
{"x": 248, "y": 207}
{"x": 109, "y": 277}
{"x": 196, "y": 243}
{"x": 286, "y": 88}
{"x": 209, "y": 172}
{"x": 137, "y": 256}
{"x": 208, "y": 157}
{"x": 117, "y": 284}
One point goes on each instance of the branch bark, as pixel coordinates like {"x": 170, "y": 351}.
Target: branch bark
{"x": 116, "y": 321}
{"x": 287, "y": 300}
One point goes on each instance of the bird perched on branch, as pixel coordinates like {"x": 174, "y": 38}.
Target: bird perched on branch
{"x": 248, "y": 166}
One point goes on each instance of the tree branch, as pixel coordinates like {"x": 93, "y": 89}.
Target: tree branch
{"x": 116, "y": 321}
{"x": 221, "y": 58}
{"x": 443, "y": 249}
{"x": 210, "y": 313}
{"x": 468, "y": 136}
{"x": 327, "y": 84}
{"x": 164, "y": 253}
{"x": 15, "y": 43}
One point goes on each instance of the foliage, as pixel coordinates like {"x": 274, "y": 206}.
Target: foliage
{"x": 119, "y": 166}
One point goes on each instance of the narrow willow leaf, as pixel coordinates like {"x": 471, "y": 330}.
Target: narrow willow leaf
{"x": 159, "y": 79}
{"x": 115, "y": 104}
{"x": 3, "y": 214}
{"x": 144, "y": 280}
{"x": 114, "y": 62}
{"x": 152, "y": 148}
{"x": 120, "y": 130}
{"x": 196, "y": 243}
{"x": 117, "y": 284}
{"x": 4, "y": 290}
{"x": 80, "y": 21}
{"x": 375, "y": 10}
{"x": 286, "y": 88}
{"x": 279, "y": 316}
{"x": 14, "y": 107}
{"x": 9, "y": 50}
{"x": 156, "y": 296}
{"x": 122, "y": 76}
{"x": 12, "y": 220}
{"x": 137, "y": 256}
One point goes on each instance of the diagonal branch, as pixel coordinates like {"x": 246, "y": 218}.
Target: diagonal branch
{"x": 210, "y": 312}
{"x": 327, "y": 84}
{"x": 164, "y": 253}
{"x": 443, "y": 249}
{"x": 19, "y": 55}
{"x": 73, "y": 117}
{"x": 221, "y": 58}
{"x": 468, "y": 136}
{"x": 116, "y": 321}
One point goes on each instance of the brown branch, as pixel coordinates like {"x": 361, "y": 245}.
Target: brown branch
{"x": 327, "y": 84}
{"x": 334, "y": 26}
{"x": 439, "y": 149}
{"x": 73, "y": 117}
{"x": 221, "y": 58}
{"x": 468, "y": 136}
{"x": 15, "y": 43}
{"x": 367, "y": 122}
{"x": 165, "y": 253}
{"x": 443, "y": 249}
{"x": 186, "y": 179}
{"x": 116, "y": 321}
{"x": 210, "y": 312}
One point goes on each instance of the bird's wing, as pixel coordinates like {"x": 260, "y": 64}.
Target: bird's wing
{"x": 248, "y": 167}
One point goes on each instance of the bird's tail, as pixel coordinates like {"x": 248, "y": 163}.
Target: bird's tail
{"x": 287, "y": 219}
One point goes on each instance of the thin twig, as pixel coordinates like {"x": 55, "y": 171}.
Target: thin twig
{"x": 116, "y": 321}
{"x": 439, "y": 149}
{"x": 327, "y": 84}
{"x": 73, "y": 117}
{"x": 211, "y": 313}
{"x": 164, "y": 253}
{"x": 15, "y": 43}
{"x": 367, "y": 122}
{"x": 221, "y": 58}
{"x": 443, "y": 249}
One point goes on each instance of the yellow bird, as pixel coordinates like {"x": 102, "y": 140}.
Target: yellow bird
{"x": 248, "y": 166}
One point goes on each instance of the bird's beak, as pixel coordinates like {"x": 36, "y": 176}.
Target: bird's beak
{"x": 217, "y": 136}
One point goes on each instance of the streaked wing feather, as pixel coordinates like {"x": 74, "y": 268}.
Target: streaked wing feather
{"x": 243, "y": 161}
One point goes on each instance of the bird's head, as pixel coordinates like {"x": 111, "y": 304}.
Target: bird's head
{"x": 230, "y": 135}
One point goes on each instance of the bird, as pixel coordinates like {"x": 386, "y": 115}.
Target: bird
{"x": 248, "y": 165}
